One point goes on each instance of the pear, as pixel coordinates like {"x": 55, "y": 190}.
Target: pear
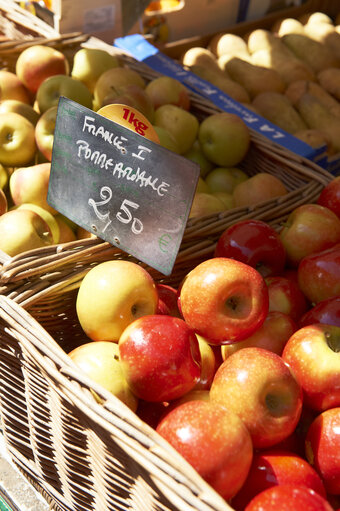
{"x": 287, "y": 26}
{"x": 317, "y": 116}
{"x": 221, "y": 80}
{"x": 295, "y": 90}
{"x": 228, "y": 43}
{"x": 315, "y": 138}
{"x": 255, "y": 79}
{"x": 199, "y": 56}
{"x": 325, "y": 34}
{"x": 315, "y": 17}
{"x": 278, "y": 109}
{"x": 261, "y": 39}
{"x": 315, "y": 54}
{"x": 329, "y": 79}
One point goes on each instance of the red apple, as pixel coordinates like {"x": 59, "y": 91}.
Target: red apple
{"x": 286, "y": 497}
{"x": 224, "y": 300}
{"x": 327, "y": 312}
{"x": 309, "y": 228}
{"x": 313, "y": 353}
{"x": 213, "y": 440}
{"x": 330, "y": 196}
{"x": 160, "y": 357}
{"x": 319, "y": 275}
{"x": 260, "y": 388}
{"x": 165, "y": 90}
{"x": 151, "y": 412}
{"x": 272, "y": 467}
{"x": 286, "y": 296}
{"x": 272, "y": 335}
{"x": 323, "y": 448}
{"x": 253, "y": 242}
{"x": 167, "y": 300}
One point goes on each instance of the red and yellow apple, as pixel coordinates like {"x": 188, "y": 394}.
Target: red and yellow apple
{"x": 165, "y": 90}
{"x": 11, "y": 87}
{"x": 44, "y": 132}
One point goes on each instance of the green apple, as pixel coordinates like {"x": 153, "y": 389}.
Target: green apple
{"x": 224, "y": 139}
{"x": 166, "y": 139}
{"x": 17, "y": 140}
{"x": 182, "y": 124}
{"x": 205, "y": 204}
{"x": 30, "y": 184}
{"x": 112, "y": 80}
{"x": 111, "y": 296}
{"x": 100, "y": 362}
{"x": 44, "y": 132}
{"x": 224, "y": 179}
{"x": 11, "y": 87}
{"x": 24, "y": 109}
{"x": 47, "y": 216}
{"x": 38, "y": 62}
{"x": 90, "y": 63}
{"x": 22, "y": 230}
{"x": 55, "y": 86}
{"x": 196, "y": 155}
{"x": 202, "y": 186}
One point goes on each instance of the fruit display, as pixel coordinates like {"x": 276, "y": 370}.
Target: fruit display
{"x": 217, "y": 389}
{"x": 287, "y": 72}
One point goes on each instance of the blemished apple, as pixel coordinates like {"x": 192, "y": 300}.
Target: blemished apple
{"x": 30, "y": 184}
{"x": 260, "y": 187}
{"x": 204, "y": 204}
{"x": 17, "y": 140}
{"x": 225, "y": 179}
{"x": 322, "y": 447}
{"x": 319, "y": 275}
{"x": 271, "y": 467}
{"x": 165, "y": 90}
{"x": 113, "y": 79}
{"x": 261, "y": 389}
{"x": 286, "y": 296}
{"x": 111, "y": 296}
{"x": 19, "y": 107}
{"x": 132, "y": 95}
{"x": 213, "y": 440}
{"x": 160, "y": 357}
{"x": 253, "y": 242}
{"x": 224, "y": 139}
{"x": 11, "y": 87}
{"x": 272, "y": 335}
{"x": 182, "y": 125}
{"x": 313, "y": 353}
{"x": 38, "y": 62}
{"x": 58, "y": 85}
{"x": 196, "y": 155}
{"x": 47, "y": 216}
{"x": 286, "y": 497}
{"x": 90, "y": 63}
{"x": 22, "y": 230}
{"x": 44, "y": 132}
{"x": 223, "y": 300}
{"x": 309, "y": 228}
{"x": 100, "y": 362}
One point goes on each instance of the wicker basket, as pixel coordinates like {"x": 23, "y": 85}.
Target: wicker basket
{"x": 83, "y": 456}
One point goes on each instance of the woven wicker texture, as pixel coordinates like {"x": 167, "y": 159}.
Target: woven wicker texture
{"x": 83, "y": 456}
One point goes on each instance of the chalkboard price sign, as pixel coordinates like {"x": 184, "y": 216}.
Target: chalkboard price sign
{"x": 124, "y": 188}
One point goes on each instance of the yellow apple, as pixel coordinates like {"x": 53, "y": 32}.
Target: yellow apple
{"x": 90, "y": 63}
{"x": 100, "y": 362}
{"x": 3, "y": 177}
{"x": 17, "y": 140}
{"x": 196, "y": 155}
{"x": 114, "y": 79}
{"x": 166, "y": 139}
{"x": 24, "y": 109}
{"x": 205, "y": 204}
{"x": 30, "y": 184}
{"x": 224, "y": 179}
{"x": 258, "y": 188}
{"x": 224, "y": 139}
{"x": 226, "y": 198}
{"x": 44, "y": 132}
{"x": 55, "y": 86}
{"x": 202, "y": 186}
{"x": 111, "y": 296}
{"x": 183, "y": 125}
{"x": 22, "y": 230}
{"x": 66, "y": 233}
{"x": 47, "y": 216}
{"x": 130, "y": 118}
{"x": 38, "y": 62}
{"x": 11, "y": 87}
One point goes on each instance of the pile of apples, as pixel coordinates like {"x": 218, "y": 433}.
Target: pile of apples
{"x": 96, "y": 79}
{"x": 239, "y": 367}
{"x": 289, "y": 74}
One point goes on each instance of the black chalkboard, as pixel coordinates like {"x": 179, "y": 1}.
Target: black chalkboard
{"x": 117, "y": 184}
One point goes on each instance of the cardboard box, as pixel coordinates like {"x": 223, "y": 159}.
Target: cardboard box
{"x": 105, "y": 19}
